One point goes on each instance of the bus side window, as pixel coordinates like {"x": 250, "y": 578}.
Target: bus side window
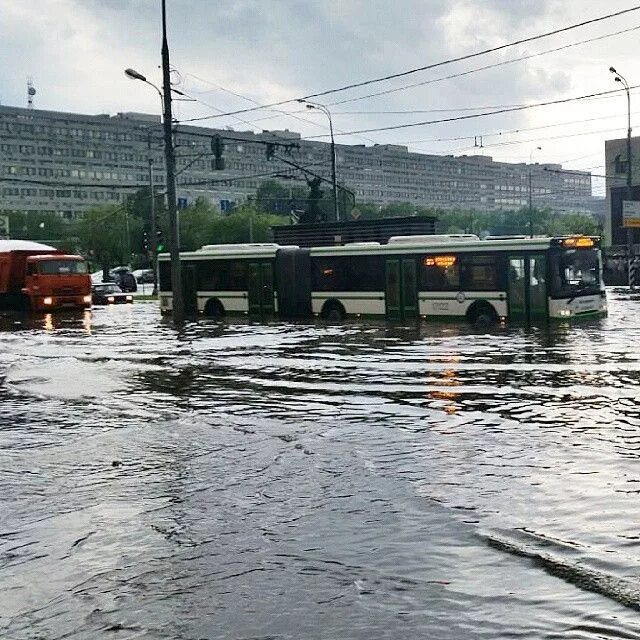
{"x": 480, "y": 272}
{"x": 439, "y": 278}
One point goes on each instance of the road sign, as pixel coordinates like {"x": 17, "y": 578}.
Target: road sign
{"x": 630, "y": 213}
{"x": 4, "y": 227}
{"x": 355, "y": 213}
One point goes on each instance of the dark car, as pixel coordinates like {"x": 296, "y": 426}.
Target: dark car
{"x": 109, "y": 293}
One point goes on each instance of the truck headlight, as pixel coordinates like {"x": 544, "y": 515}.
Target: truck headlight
{"x": 48, "y": 301}
{"x": 87, "y": 299}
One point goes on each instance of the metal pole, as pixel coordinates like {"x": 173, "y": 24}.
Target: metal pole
{"x": 621, "y": 79}
{"x": 334, "y": 182}
{"x": 530, "y": 206}
{"x": 333, "y": 170}
{"x": 154, "y": 230}
{"x": 170, "y": 160}
{"x": 531, "y": 192}
{"x": 629, "y": 180}
{"x": 128, "y": 238}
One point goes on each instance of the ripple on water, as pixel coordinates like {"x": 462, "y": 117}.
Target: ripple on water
{"x": 288, "y": 480}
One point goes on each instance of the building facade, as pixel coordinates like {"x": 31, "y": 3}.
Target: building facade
{"x": 616, "y": 171}
{"x": 65, "y": 163}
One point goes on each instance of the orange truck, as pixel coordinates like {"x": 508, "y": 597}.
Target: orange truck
{"x": 37, "y": 277}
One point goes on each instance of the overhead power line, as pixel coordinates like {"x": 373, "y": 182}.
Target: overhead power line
{"x": 430, "y": 66}
{"x": 474, "y": 115}
{"x": 484, "y": 68}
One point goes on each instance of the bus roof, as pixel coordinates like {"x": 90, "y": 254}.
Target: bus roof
{"x": 409, "y": 244}
{"x": 396, "y": 245}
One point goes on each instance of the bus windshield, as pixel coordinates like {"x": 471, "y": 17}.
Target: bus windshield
{"x": 55, "y": 267}
{"x": 576, "y": 271}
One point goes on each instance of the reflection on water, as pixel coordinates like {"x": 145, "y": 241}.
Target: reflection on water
{"x": 323, "y": 481}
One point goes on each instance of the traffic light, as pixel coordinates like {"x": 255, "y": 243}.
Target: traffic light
{"x": 270, "y": 150}
{"x": 217, "y": 147}
{"x": 159, "y": 241}
{"x": 145, "y": 241}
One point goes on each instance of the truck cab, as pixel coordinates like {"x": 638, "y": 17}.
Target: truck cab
{"x": 40, "y": 278}
{"x": 56, "y": 281}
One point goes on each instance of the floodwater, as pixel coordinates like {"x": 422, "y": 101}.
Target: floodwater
{"x": 317, "y": 481}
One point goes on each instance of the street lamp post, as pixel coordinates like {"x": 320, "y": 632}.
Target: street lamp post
{"x": 625, "y": 84}
{"x": 325, "y": 110}
{"x": 531, "y": 193}
{"x": 170, "y": 165}
{"x": 135, "y": 75}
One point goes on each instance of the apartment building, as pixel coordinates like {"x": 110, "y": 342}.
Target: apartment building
{"x": 66, "y": 163}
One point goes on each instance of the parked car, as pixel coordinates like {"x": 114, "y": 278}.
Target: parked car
{"x": 143, "y": 276}
{"x": 123, "y": 277}
{"x": 109, "y": 293}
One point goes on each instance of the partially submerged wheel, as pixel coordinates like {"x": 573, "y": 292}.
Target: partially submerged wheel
{"x": 214, "y": 308}
{"x": 333, "y": 311}
{"x": 482, "y": 315}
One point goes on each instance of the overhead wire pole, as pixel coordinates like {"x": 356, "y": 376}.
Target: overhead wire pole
{"x": 325, "y": 110}
{"x": 154, "y": 230}
{"x": 177, "y": 305}
{"x": 531, "y": 193}
{"x": 135, "y": 75}
{"x": 621, "y": 79}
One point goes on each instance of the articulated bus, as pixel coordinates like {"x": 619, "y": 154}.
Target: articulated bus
{"x": 431, "y": 277}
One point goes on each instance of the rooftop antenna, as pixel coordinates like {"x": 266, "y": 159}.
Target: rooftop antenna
{"x": 31, "y": 91}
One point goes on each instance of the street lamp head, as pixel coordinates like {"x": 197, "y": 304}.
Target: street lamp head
{"x": 612, "y": 69}
{"x": 618, "y": 79}
{"x": 132, "y": 74}
{"x": 311, "y": 106}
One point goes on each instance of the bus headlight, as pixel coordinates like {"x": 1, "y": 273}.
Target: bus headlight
{"x": 87, "y": 299}
{"x": 565, "y": 312}
{"x": 47, "y": 301}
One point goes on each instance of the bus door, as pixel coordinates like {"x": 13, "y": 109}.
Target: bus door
{"x": 527, "y": 287}
{"x": 401, "y": 288}
{"x": 189, "y": 289}
{"x": 260, "y": 290}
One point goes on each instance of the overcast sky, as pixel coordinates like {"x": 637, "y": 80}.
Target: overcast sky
{"x": 234, "y": 54}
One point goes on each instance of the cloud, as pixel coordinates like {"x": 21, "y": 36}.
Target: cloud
{"x": 76, "y": 50}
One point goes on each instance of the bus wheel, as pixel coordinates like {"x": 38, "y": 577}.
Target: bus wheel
{"x": 214, "y": 308}
{"x": 333, "y": 311}
{"x": 482, "y": 314}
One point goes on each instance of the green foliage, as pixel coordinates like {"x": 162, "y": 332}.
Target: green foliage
{"x": 271, "y": 191}
{"x": 246, "y": 224}
{"x": 545, "y": 221}
{"x": 39, "y": 227}
{"x": 107, "y": 234}
{"x": 197, "y": 224}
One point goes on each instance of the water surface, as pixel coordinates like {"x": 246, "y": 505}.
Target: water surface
{"x": 318, "y": 481}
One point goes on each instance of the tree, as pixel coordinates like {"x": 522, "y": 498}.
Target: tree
{"x": 106, "y": 233}
{"x": 197, "y": 224}
{"x": 39, "y": 226}
{"x": 269, "y": 193}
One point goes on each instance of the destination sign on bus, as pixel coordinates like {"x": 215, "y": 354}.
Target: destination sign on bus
{"x": 579, "y": 243}
{"x": 439, "y": 261}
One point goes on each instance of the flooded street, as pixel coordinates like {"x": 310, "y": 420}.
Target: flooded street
{"x": 319, "y": 481}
